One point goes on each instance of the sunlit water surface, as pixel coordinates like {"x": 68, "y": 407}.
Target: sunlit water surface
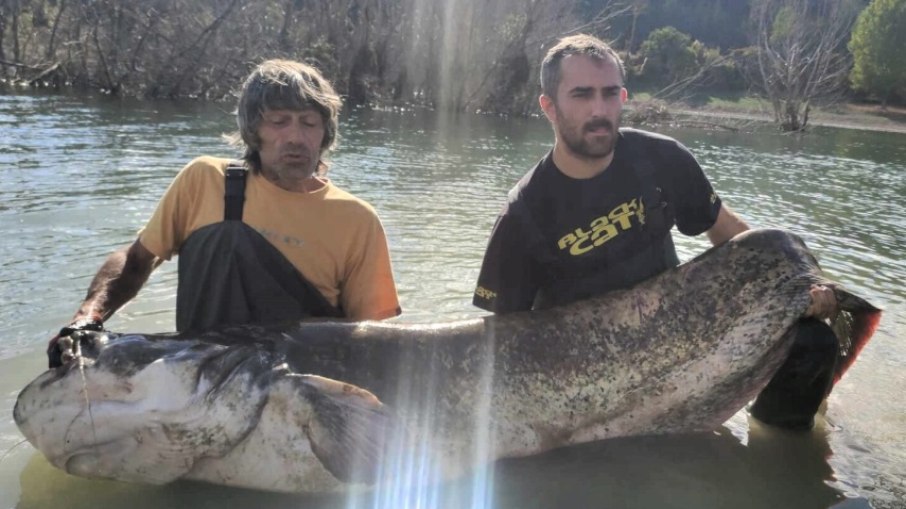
{"x": 78, "y": 177}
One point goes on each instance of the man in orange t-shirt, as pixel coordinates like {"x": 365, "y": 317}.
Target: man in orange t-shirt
{"x": 265, "y": 239}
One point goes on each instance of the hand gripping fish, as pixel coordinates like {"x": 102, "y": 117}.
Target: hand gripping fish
{"x": 318, "y": 406}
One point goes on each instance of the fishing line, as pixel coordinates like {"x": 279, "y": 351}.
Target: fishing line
{"x": 11, "y": 449}
{"x": 78, "y": 353}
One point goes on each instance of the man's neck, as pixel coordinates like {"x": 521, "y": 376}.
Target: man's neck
{"x": 302, "y": 185}
{"x": 577, "y": 167}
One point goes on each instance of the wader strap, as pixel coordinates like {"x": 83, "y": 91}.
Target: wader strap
{"x": 234, "y": 197}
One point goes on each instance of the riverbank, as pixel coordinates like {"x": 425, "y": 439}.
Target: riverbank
{"x": 740, "y": 114}
{"x": 749, "y": 112}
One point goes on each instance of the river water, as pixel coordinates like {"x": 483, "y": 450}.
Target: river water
{"x": 79, "y": 176}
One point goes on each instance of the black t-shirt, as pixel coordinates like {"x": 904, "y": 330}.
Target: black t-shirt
{"x": 560, "y": 239}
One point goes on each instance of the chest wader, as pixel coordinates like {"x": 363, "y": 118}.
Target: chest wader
{"x": 230, "y": 274}
{"x": 650, "y": 252}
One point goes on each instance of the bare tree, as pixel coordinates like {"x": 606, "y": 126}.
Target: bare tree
{"x": 638, "y": 7}
{"x": 61, "y": 8}
{"x": 800, "y": 56}
{"x": 15, "y": 8}
{"x": 4, "y": 15}
{"x": 683, "y": 88}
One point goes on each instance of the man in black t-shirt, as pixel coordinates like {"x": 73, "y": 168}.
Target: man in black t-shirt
{"x": 595, "y": 214}
{"x": 563, "y": 238}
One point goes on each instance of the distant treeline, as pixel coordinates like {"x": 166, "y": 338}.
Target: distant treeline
{"x": 473, "y": 55}
{"x": 463, "y": 54}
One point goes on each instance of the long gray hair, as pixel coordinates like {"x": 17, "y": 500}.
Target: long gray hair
{"x": 284, "y": 84}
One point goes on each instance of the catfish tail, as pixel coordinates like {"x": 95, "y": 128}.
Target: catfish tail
{"x": 854, "y": 326}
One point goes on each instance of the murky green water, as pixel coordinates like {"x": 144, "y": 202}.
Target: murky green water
{"x": 78, "y": 177}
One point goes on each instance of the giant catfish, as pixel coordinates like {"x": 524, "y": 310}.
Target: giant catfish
{"x": 316, "y": 406}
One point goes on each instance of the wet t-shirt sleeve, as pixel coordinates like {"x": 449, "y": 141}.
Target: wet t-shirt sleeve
{"x": 368, "y": 290}
{"x": 508, "y": 278}
{"x": 694, "y": 199}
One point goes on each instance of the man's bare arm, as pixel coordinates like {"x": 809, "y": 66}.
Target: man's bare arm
{"x": 727, "y": 226}
{"x": 118, "y": 280}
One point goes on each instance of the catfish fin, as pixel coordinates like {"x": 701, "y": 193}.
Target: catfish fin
{"x": 854, "y": 326}
{"x": 349, "y": 429}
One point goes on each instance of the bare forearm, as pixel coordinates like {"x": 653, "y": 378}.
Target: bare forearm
{"x": 119, "y": 279}
{"x": 727, "y": 226}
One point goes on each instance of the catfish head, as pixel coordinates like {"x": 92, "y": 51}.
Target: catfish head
{"x": 154, "y": 409}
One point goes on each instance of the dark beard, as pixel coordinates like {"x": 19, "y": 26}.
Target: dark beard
{"x": 586, "y": 149}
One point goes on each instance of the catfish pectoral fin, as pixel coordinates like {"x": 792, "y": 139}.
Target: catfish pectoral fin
{"x": 349, "y": 428}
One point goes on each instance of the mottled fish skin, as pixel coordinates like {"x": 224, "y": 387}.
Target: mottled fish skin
{"x": 313, "y": 406}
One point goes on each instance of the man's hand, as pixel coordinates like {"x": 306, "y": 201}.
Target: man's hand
{"x": 118, "y": 280}
{"x": 824, "y": 303}
{"x": 59, "y": 348}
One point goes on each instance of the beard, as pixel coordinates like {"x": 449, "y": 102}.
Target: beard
{"x": 295, "y": 163}
{"x": 297, "y": 170}
{"x": 600, "y": 145}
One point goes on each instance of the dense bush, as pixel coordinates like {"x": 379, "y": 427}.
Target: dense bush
{"x": 669, "y": 56}
{"x": 877, "y": 43}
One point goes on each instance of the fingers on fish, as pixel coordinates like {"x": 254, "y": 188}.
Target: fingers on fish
{"x": 349, "y": 430}
{"x": 77, "y": 345}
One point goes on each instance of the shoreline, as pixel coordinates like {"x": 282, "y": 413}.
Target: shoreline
{"x": 863, "y": 117}
{"x": 863, "y": 121}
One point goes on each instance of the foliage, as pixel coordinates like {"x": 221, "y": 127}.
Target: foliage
{"x": 784, "y": 24}
{"x": 669, "y": 56}
{"x": 724, "y": 73}
{"x": 877, "y": 44}
{"x": 717, "y": 23}
{"x": 678, "y": 67}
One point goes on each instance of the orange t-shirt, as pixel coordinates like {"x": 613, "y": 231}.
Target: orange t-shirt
{"x": 333, "y": 238}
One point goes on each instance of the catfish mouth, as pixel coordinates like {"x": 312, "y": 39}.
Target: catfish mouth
{"x": 82, "y": 464}
{"x": 55, "y": 416}
{"x": 86, "y": 460}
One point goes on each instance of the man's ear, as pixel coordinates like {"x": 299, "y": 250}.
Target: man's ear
{"x": 624, "y": 95}
{"x": 548, "y": 107}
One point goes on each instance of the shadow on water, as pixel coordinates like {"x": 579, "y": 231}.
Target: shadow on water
{"x": 774, "y": 469}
